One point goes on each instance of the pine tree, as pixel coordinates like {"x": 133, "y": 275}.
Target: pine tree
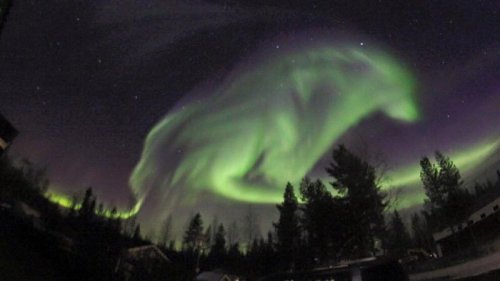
{"x": 193, "y": 234}
{"x": 234, "y": 256}
{"x": 320, "y": 220}
{"x": 287, "y": 228}
{"x": 399, "y": 240}
{"x": 447, "y": 201}
{"x": 363, "y": 201}
{"x": 268, "y": 255}
{"x": 218, "y": 250}
{"x": 87, "y": 208}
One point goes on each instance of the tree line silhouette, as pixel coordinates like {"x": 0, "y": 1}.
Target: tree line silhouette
{"x": 321, "y": 225}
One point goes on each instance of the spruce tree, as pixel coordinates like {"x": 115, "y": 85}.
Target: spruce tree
{"x": 287, "y": 228}
{"x": 447, "y": 201}
{"x": 320, "y": 221}
{"x": 193, "y": 234}
{"x": 218, "y": 250}
{"x": 399, "y": 239}
{"x": 87, "y": 208}
{"x": 363, "y": 201}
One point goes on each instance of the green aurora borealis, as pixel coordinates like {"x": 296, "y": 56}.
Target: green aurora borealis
{"x": 404, "y": 177}
{"x": 271, "y": 123}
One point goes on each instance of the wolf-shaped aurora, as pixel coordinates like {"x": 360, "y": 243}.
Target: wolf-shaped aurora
{"x": 266, "y": 125}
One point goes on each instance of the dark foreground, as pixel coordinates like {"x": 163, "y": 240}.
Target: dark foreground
{"x": 23, "y": 256}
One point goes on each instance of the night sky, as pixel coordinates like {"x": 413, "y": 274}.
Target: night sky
{"x": 86, "y": 82}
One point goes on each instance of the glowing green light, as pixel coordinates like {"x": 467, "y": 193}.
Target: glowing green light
{"x": 268, "y": 126}
{"x": 271, "y": 124}
{"x": 402, "y": 178}
{"x": 465, "y": 160}
{"x": 67, "y": 202}
{"x": 61, "y": 199}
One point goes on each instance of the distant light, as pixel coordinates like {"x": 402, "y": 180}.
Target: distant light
{"x": 361, "y": 43}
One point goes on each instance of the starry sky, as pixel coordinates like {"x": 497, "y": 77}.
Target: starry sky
{"x": 86, "y": 82}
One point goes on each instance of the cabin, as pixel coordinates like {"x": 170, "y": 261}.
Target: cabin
{"x": 143, "y": 261}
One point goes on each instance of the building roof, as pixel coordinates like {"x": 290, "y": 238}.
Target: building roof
{"x": 146, "y": 251}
